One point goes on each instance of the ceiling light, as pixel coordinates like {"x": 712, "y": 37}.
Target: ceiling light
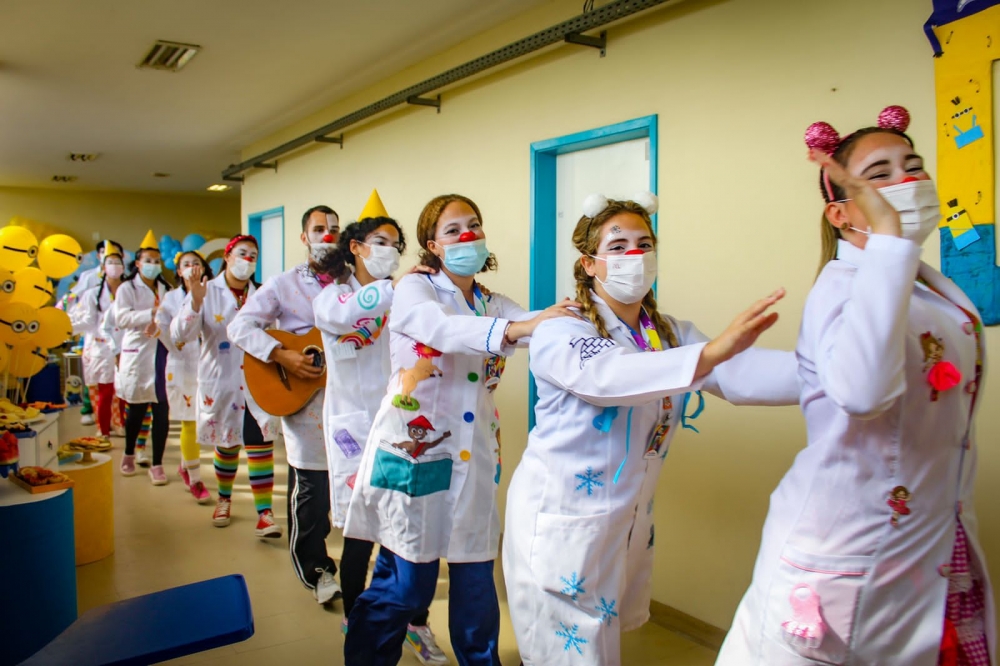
{"x": 83, "y": 157}
{"x": 218, "y": 188}
{"x": 168, "y": 56}
{"x": 160, "y": 174}
{"x": 63, "y": 179}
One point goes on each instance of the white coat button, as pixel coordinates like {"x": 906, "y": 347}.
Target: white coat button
{"x": 944, "y": 570}
{"x": 969, "y": 328}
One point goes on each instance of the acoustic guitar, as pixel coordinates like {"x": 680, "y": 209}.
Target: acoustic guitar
{"x": 277, "y": 391}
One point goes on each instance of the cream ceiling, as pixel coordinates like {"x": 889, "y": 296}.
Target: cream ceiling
{"x": 69, "y": 82}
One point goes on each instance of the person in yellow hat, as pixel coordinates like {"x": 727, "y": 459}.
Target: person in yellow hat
{"x": 285, "y": 301}
{"x": 141, "y": 379}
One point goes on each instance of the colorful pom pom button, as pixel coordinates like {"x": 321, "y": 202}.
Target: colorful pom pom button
{"x": 473, "y": 377}
{"x": 465, "y": 456}
{"x": 469, "y": 417}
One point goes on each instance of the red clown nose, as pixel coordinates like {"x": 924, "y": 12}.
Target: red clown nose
{"x": 327, "y": 238}
{"x": 467, "y": 237}
{"x": 636, "y": 251}
{"x": 909, "y": 179}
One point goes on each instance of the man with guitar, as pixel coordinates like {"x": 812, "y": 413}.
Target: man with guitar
{"x": 285, "y": 302}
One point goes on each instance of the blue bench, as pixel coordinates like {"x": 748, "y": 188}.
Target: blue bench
{"x": 155, "y": 627}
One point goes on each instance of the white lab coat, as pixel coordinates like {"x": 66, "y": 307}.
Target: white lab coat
{"x": 578, "y": 545}
{"x": 222, "y": 396}
{"x": 441, "y": 503}
{"x": 285, "y": 302}
{"x": 101, "y": 336}
{"x": 353, "y": 322}
{"x": 182, "y": 361}
{"x": 134, "y": 303}
{"x": 872, "y": 426}
{"x": 86, "y": 281}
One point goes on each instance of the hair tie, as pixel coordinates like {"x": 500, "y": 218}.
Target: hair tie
{"x": 237, "y": 239}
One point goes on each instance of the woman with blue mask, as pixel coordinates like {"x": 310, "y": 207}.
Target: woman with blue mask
{"x": 141, "y": 377}
{"x": 427, "y": 484}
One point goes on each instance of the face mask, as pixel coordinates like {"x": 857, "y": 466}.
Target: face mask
{"x": 150, "y": 271}
{"x": 382, "y": 261}
{"x": 114, "y": 271}
{"x": 918, "y": 206}
{"x": 186, "y": 272}
{"x": 243, "y": 269}
{"x": 630, "y": 276}
{"x": 466, "y": 259}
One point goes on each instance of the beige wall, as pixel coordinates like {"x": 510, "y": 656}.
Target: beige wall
{"x": 123, "y": 216}
{"x": 735, "y": 83}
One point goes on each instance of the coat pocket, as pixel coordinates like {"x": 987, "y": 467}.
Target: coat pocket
{"x": 568, "y": 558}
{"x": 812, "y": 606}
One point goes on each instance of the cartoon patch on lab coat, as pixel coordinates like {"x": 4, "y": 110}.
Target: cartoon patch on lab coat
{"x": 422, "y": 370}
{"x": 417, "y": 430}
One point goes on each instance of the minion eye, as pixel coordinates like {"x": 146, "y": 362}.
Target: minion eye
{"x": 8, "y": 286}
{"x": 33, "y": 327}
{"x": 19, "y": 326}
{"x": 33, "y": 251}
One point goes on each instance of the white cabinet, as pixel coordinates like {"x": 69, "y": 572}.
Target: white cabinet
{"x": 41, "y": 449}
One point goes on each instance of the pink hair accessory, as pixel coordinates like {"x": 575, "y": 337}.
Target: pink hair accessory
{"x": 821, "y": 136}
{"x": 894, "y": 117}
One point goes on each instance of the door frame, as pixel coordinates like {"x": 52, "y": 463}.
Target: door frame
{"x": 542, "y": 281}
{"x": 254, "y": 222}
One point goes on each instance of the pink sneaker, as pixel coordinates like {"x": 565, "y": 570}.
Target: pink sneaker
{"x": 157, "y": 475}
{"x": 185, "y": 477}
{"x": 201, "y": 493}
{"x": 128, "y": 466}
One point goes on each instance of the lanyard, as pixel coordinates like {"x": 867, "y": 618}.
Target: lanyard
{"x": 477, "y": 294}
{"x": 240, "y": 296}
{"x": 649, "y": 342}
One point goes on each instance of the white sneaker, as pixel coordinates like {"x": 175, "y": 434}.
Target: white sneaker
{"x": 421, "y": 641}
{"x": 141, "y": 457}
{"x": 86, "y": 419}
{"x": 327, "y": 589}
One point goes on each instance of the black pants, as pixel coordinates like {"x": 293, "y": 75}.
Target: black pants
{"x": 159, "y": 430}
{"x": 309, "y": 523}
{"x": 354, "y": 575}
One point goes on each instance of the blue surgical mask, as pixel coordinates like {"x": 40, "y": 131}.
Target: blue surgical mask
{"x": 466, "y": 259}
{"x": 150, "y": 271}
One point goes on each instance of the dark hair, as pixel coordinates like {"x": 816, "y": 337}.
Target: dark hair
{"x": 206, "y": 270}
{"x": 134, "y": 268}
{"x": 242, "y": 238}
{"x": 829, "y": 234}
{"x": 427, "y": 226}
{"x": 104, "y": 278}
{"x": 335, "y": 263}
{"x": 100, "y": 246}
{"x": 326, "y": 210}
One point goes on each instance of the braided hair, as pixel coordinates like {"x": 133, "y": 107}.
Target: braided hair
{"x": 832, "y": 192}
{"x": 587, "y": 239}
{"x": 337, "y": 263}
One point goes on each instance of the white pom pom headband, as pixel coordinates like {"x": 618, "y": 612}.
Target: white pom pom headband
{"x": 594, "y": 204}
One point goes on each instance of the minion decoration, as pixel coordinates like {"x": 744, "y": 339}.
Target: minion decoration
{"x": 6, "y": 285}
{"x": 31, "y": 287}
{"x": 27, "y": 360}
{"x": 59, "y": 255}
{"x": 18, "y": 248}
{"x": 74, "y": 390}
{"x": 18, "y": 324}
{"x": 54, "y": 327}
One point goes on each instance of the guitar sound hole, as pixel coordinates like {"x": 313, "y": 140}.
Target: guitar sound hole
{"x": 316, "y": 354}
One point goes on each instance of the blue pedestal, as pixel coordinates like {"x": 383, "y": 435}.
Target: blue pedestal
{"x": 38, "y": 565}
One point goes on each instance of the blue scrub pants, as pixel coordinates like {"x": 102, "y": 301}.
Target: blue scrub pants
{"x": 400, "y": 589}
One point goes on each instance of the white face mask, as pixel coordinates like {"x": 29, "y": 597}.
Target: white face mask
{"x": 630, "y": 276}
{"x": 186, "y": 272}
{"x": 243, "y": 269}
{"x": 382, "y": 261}
{"x": 918, "y": 206}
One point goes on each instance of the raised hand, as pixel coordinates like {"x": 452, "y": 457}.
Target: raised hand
{"x": 740, "y": 334}
{"x": 881, "y": 216}
{"x": 197, "y": 286}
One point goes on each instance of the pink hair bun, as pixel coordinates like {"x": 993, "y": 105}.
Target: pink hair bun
{"x": 894, "y": 117}
{"x": 821, "y": 136}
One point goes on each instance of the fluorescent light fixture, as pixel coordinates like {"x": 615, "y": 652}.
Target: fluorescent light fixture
{"x": 218, "y": 188}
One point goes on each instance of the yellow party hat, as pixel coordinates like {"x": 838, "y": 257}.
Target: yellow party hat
{"x": 110, "y": 249}
{"x": 149, "y": 242}
{"x": 373, "y": 208}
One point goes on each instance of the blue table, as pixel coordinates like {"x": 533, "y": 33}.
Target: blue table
{"x": 156, "y": 627}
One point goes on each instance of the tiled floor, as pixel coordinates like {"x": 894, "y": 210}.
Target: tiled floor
{"x": 164, "y": 539}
